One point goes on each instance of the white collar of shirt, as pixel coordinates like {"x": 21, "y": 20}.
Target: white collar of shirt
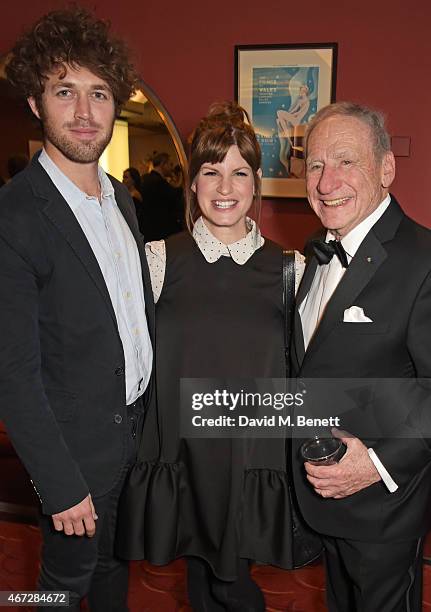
{"x": 240, "y": 251}
{"x": 71, "y": 192}
{"x": 352, "y": 241}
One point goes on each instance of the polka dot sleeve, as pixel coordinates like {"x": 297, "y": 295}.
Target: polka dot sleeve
{"x": 156, "y": 258}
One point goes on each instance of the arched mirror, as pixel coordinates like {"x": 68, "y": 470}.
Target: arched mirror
{"x": 143, "y": 130}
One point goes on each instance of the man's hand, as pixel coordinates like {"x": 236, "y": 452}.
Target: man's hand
{"x": 354, "y": 472}
{"x": 78, "y": 520}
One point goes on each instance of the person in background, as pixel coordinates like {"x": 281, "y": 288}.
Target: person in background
{"x": 177, "y": 178}
{"x": 132, "y": 180}
{"x": 177, "y": 182}
{"x": 221, "y": 503}
{"x": 76, "y": 317}
{"x": 145, "y": 166}
{"x": 160, "y": 201}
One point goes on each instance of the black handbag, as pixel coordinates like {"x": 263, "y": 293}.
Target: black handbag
{"x": 307, "y": 545}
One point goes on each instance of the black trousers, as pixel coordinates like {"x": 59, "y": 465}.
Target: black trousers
{"x": 88, "y": 566}
{"x": 210, "y": 594}
{"x": 373, "y": 577}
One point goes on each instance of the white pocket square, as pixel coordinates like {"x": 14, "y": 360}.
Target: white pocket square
{"x": 355, "y": 314}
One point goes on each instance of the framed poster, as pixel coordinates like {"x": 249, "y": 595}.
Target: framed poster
{"x": 282, "y": 87}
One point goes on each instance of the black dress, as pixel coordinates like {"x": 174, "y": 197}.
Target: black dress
{"x": 218, "y": 499}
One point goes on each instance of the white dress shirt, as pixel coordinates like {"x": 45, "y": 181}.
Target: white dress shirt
{"x": 116, "y": 252}
{"x": 322, "y": 288}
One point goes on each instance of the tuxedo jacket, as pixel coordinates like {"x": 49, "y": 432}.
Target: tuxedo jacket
{"x": 390, "y": 279}
{"x": 62, "y": 369}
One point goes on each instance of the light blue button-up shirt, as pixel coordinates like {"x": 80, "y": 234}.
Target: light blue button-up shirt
{"x": 116, "y": 252}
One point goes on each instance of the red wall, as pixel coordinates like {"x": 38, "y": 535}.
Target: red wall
{"x": 184, "y": 50}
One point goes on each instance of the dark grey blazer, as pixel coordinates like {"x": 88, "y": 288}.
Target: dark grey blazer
{"x": 390, "y": 278}
{"x": 62, "y": 383}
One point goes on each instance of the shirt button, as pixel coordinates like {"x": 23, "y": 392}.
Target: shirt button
{"x": 118, "y": 419}
{"x": 119, "y": 371}
{"x": 128, "y": 295}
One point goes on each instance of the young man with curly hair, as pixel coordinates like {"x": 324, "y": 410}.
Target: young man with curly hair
{"x": 76, "y": 311}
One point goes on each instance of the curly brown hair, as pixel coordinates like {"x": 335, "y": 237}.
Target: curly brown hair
{"x": 75, "y": 38}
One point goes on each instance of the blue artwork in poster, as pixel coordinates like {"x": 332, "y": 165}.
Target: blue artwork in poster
{"x": 284, "y": 100}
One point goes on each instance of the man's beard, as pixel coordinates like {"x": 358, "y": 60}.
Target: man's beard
{"x": 79, "y": 152}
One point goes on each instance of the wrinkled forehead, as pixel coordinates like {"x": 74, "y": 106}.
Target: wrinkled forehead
{"x": 340, "y": 132}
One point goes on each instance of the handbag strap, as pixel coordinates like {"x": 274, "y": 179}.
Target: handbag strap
{"x": 288, "y": 300}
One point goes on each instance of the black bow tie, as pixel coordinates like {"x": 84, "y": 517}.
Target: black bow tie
{"x": 325, "y": 251}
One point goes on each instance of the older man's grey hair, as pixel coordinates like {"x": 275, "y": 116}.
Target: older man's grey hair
{"x": 371, "y": 117}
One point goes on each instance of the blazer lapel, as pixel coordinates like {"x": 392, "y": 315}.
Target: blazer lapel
{"x": 367, "y": 260}
{"x": 59, "y": 213}
{"x": 369, "y": 257}
{"x": 307, "y": 279}
{"x": 304, "y": 288}
{"x": 55, "y": 207}
{"x": 298, "y": 347}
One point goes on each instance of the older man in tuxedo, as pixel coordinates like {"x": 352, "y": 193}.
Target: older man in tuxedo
{"x": 76, "y": 310}
{"x": 363, "y": 311}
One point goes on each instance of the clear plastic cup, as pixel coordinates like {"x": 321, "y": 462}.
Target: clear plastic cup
{"x": 323, "y": 451}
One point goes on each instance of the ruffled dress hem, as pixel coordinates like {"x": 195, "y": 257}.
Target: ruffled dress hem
{"x": 160, "y": 520}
